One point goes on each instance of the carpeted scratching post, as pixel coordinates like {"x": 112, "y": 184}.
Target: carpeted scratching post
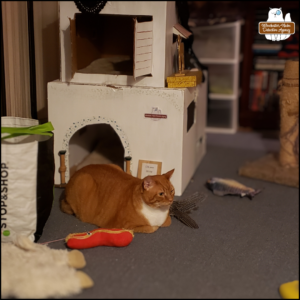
{"x": 289, "y": 115}
{"x": 282, "y": 167}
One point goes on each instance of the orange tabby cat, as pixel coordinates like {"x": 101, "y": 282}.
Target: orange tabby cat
{"x": 108, "y": 197}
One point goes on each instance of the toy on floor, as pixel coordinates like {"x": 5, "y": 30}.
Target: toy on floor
{"x": 179, "y": 209}
{"x": 222, "y": 187}
{"x": 123, "y": 237}
{"x": 31, "y": 270}
{"x": 289, "y": 290}
{"x": 100, "y": 237}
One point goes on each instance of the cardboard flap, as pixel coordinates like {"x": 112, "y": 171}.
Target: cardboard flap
{"x": 143, "y": 40}
{"x": 73, "y": 46}
{"x": 180, "y": 30}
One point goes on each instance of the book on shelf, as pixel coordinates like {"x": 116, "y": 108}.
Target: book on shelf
{"x": 265, "y": 52}
{"x": 263, "y": 90}
{"x": 263, "y": 46}
{"x": 260, "y": 66}
{"x": 269, "y": 60}
{"x": 266, "y": 49}
{"x": 269, "y": 63}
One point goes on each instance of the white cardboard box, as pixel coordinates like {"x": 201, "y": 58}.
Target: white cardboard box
{"x": 163, "y": 15}
{"x": 73, "y": 106}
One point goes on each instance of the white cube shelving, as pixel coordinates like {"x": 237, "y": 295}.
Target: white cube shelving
{"x": 219, "y": 48}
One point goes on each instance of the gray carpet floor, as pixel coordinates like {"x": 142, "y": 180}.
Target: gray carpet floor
{"x": 242, "y": 249}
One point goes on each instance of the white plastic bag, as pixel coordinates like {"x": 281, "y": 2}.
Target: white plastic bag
{"x": 27, "y": 177}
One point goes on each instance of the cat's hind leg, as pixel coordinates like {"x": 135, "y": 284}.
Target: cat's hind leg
{"x": 116, "y": 167}
{"x": 66, "y": 207}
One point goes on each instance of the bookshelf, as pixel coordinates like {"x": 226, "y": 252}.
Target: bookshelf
{"x": 219, "y": 48}
{"x": 261, "y": 58}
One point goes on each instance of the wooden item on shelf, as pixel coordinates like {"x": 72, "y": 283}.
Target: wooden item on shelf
{"x": 181, "y": 32}
{"x": 183, "y": 78}
{"x": 180, "y": 49}
{"x": 128, "y": 159}
{"x": 282, "y": 167}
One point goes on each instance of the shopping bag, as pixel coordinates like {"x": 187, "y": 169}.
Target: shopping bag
{"x": 27, "y": 177}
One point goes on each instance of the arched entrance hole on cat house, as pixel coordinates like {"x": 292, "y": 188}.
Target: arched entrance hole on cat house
{"x": 94, "y": 141}
{"x": 95, "y": 144}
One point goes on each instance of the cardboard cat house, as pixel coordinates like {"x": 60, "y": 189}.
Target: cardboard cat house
{"x": 127, "y": 43}
{"x": 115, "y": 104}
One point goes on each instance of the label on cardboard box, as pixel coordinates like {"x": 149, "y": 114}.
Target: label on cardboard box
{"x": 156, "y": 114}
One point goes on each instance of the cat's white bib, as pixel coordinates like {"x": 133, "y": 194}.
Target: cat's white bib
{"x": 155, "y": 216}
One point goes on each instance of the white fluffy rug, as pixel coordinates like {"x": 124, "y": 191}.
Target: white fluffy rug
{"x": 30, "y": 270}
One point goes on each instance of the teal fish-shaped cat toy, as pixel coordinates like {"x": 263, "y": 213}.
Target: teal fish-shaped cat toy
{"x": 222, "y": 187}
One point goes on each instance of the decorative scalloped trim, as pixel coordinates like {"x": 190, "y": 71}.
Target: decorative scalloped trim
{"x": 91, "y": 121}
{"x": 93, "y": 7}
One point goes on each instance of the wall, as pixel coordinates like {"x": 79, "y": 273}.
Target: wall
{"x": 46, "y": 31}
{"x": 16, "y": 58}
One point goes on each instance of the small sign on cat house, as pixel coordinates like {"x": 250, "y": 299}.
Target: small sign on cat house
{"x": 111, "y": 44}
{"x": 156, "y": 114}
{"x": 149, "y": 168}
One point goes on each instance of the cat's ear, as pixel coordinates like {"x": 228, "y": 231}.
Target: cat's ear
{"x": 148, "y": 183}
{"x": 169, "y": 174}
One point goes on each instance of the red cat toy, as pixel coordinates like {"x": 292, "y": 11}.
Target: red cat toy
{"x": 100, "y": 237}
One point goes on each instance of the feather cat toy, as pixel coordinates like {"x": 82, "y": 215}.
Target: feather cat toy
{"x": 180, "y": 209}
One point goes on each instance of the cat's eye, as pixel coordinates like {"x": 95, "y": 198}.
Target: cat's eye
{"x": 172, "y": 191}
{"x": 161, "y": 194}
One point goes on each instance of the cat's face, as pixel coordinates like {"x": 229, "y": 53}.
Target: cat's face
{"x": 275, "y": 14}
{"x": 158, "y": 191}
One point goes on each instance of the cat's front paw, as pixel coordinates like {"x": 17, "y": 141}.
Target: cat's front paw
{"x": 167, "y": 222}
{"x": 145, "y": 229}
